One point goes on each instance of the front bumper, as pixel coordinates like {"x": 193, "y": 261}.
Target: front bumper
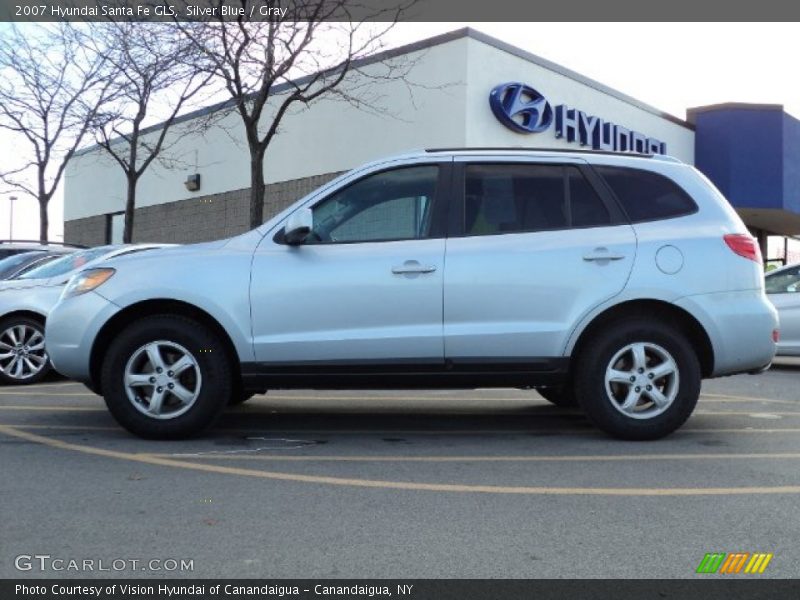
{"x": 70, "y": 331}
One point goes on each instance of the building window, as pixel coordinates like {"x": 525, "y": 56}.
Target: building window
{"x": 115, "y": 225}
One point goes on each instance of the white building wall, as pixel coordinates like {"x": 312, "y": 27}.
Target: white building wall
{"x": 330, "y": 136}
{"x": 488, "y": 67}
{"x": 446, "y": 105}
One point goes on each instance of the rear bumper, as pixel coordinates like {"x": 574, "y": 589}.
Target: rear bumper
{"x": 739, "y": 325}
{"x": 71, "y": 329}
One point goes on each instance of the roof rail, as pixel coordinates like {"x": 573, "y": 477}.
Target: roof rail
{"x": 667, "y": 158}
{"x": 41, "y": 243}
{"x": 523, "y": 148}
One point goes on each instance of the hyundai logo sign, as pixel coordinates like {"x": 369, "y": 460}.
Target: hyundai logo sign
{"x": 524, "y": 110}
{"x": 521, "y": 108}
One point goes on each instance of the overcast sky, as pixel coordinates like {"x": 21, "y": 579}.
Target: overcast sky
{"x": 672, "y": 66}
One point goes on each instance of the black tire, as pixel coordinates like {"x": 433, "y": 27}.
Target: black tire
{"x": 24, "y": 379}
{"x": 601, "y": 407}
{"x": 562, "y": 395}
{"x": 209, "y": 356}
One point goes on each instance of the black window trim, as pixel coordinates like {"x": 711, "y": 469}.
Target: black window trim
{"x": 456, "y": 215}
{"x": 441, "y": 200}
{"x": 109, "y": 223}
{"x": 607, "y": 186}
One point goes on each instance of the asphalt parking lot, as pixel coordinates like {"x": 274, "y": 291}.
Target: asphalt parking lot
{"x": 479, "y": 484}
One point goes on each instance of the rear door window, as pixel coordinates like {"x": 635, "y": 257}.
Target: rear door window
{"x": 516, "y": 198}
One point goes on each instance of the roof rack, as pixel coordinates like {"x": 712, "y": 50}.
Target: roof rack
{"x": 524, "y": 148}
{"x": 41, "y": 243}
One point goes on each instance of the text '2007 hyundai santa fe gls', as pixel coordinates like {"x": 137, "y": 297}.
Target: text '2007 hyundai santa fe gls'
{"x": 614, "y": 282}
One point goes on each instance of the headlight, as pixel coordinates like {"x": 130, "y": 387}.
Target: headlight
{"x": 86, "y": 281}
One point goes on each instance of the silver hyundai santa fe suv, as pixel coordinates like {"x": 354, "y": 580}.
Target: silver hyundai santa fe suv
{"x": 614, "y": 282}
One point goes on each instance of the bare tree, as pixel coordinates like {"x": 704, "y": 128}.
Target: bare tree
{"x": 50, "y": 92}
{"x": 290, "y": 58}
{"x": 156, "y": 75}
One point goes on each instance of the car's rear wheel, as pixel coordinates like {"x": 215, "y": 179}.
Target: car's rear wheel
{"x": 23, "y": 359}
{"x": 562, "y": 395}
{"x": 166, "y": 377}
{"x": 638, "y": 379}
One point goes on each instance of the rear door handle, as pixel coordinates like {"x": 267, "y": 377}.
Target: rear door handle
{"x": 412, "y": 266}
{"x": 602, "y": 254}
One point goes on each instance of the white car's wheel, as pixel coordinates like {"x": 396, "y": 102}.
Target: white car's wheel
{"x": 23, "y": 359}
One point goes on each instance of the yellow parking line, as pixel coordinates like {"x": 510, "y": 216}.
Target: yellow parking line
{"x": 29, "y": 391}
{"x": 54, "y": 408}
{"x": 747, "y": 399}
{"x": 48, "y": 394}
{"x": 730, "y": 400}
{"x": 397, "y": 485}
{"x": 37, "y": 386}
{"x": 461, "y": 413}
{"x": 461, "y": 459}
{"x": 66, "y": 427}
{"x": 734, "y": 413}
{"x": 543, "y": 431}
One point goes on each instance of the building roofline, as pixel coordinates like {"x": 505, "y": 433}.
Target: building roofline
{"x": 691, "y": 113}
{"x": 356, "y": 64}
{"x": 437, "y": 40}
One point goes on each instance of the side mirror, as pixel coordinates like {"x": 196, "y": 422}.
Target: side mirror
{"x": 298, "y": 226}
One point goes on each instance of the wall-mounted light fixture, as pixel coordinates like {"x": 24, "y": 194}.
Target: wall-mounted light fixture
{"x": 192, "y": 182}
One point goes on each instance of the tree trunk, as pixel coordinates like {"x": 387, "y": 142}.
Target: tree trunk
{"x": 130, "y": 204}
{"x": 43, "y": 223}
{"x": 257, "y": 188}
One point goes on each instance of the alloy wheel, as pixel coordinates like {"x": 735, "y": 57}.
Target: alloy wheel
{"x": 22, "y": 353}
{"x": 642, "y": 380}
{"x": 162, "y": 380}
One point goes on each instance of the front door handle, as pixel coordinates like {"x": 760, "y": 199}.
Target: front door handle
{"x": 412, "y": 267}
{"x": 602, "y": 254}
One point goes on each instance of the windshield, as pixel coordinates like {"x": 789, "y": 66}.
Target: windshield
{"x": 65, "y": 264}
{"x": 10, "y": 263}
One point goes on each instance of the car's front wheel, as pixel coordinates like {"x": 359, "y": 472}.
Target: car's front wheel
{"x": 23, "y": 359}
{"x": 638, "y": 379}
{"x": 166, "y": 377}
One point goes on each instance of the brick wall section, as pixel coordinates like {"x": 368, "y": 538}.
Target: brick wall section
{"x": 200, "y": 219}
{"x": 86, "y": 232}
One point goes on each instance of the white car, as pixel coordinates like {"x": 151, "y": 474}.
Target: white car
{"x": 783, "y": 290}
{"x": 25, "y": 303}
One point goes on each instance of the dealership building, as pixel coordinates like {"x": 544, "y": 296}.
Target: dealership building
{"x": 462, "y": 89}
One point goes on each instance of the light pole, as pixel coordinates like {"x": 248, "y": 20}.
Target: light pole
{"x": 11, "y": 200}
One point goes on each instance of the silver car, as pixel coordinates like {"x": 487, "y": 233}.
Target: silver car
{"x": 15, "y": 265}
{"x": 783, "y": 290}
{"x": 617, "y": 282}
{"x": 25, "y": 302}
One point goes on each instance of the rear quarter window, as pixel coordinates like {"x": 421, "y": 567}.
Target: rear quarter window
{"x": 647, "y": 196}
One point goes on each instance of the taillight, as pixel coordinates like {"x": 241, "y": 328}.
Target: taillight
{"x": 744, "y": 245}
{"x": 776, "y": 335}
